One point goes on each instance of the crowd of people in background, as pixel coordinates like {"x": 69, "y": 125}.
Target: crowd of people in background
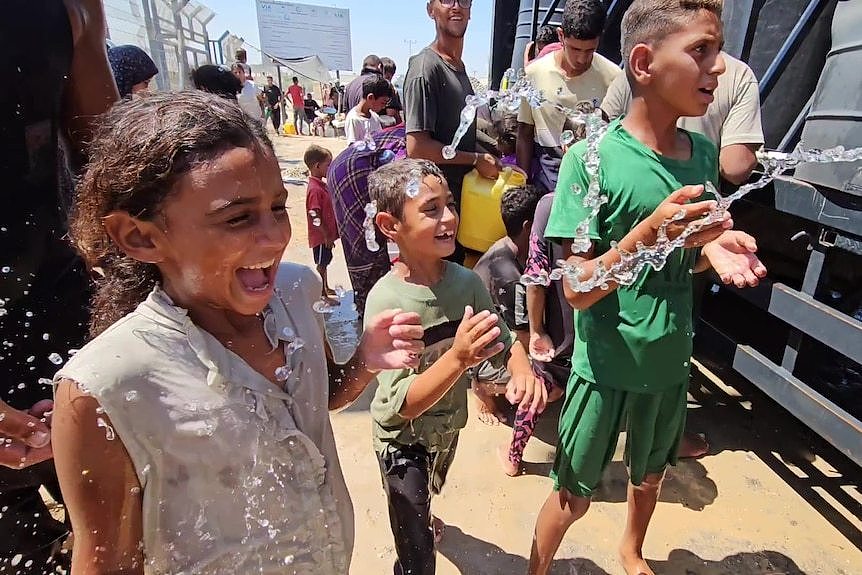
{"x": 206, "y": 378}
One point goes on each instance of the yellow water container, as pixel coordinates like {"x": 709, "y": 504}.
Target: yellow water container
{"x": 481, "y": 222}
{"x": 289, "y": 129}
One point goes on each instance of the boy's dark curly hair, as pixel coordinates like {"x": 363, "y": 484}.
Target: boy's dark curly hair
{"x": 140, "y": 150}
{"x": 584, "y": 19}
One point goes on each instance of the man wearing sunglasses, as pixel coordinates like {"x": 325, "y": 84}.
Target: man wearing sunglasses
{"x": 435, "y": 89}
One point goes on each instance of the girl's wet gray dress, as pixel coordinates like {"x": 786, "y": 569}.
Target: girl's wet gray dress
{"x": 237, "y": 476}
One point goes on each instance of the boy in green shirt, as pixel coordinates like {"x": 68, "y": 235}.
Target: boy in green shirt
{"x": 633, "y": 342}
{"x": 417, "y": 414}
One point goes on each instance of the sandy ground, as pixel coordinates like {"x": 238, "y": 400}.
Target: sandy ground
{"x": 771, "y": 498}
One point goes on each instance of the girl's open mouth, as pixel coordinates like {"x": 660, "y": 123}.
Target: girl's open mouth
{"x": 256, "y": 277}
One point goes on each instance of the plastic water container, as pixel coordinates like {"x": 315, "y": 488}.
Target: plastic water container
{"x": 481, "y": 222}
{"x": 289, "y": 129}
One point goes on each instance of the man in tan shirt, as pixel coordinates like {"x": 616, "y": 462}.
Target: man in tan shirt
{"x": 732, "y": 121}
{"x": 568, "y": 76}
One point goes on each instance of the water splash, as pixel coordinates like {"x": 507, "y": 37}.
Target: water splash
{"x": 515, "y": 89}
{"x": 368, "y": 226}
{"x": 109, "y": 431}
{"x": 631, "y": 264}
{"x": 366, "y": 143}
{"x": 414, "y": 185}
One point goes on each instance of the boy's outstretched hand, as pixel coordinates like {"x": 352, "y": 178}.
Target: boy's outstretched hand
{"x": 527, "y": 391}
{"x": 392, "y": 340}
{"x": 474, "y": 340}
{"x": 733, "y": 255}
{"x": 647, "y": 230}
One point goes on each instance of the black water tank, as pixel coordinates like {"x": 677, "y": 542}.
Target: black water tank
{"x": 836, "y": 110}
{"x": 775, "y": 20}
{"x": 530, "y": 11}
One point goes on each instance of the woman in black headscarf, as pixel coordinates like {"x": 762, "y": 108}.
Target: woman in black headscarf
{"x": 133, "y": 69}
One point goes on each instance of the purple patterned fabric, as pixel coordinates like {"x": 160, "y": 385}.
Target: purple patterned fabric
{"x": 347, "y": 180}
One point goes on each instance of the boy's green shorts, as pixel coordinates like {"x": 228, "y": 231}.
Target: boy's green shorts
{"x": 590, "y": 424}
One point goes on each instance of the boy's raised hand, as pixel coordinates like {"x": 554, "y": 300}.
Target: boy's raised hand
{"x": 392, "y": 340}
{"x": 474, "y": 340}
{"x": 672, "y": 205}
{"x": 733, "y": 255}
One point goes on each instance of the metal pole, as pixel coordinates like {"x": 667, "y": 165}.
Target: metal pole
{"x": 182, "y": 63}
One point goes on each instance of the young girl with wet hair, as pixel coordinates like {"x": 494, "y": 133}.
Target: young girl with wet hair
{"x": 192, "y": 434}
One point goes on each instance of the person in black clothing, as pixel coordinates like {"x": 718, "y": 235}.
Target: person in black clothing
{"x": 60, "y": 84}
{"x": 274, "y": 98}
{"x": 310, "y": 106}
{"x": 394, "y": 108}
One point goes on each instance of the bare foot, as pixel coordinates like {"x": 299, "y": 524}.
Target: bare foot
{"x": 488, "y": 413}
{"x": 333, "y": 301}
{"x": 634, "y": 564}
{"x": 509, "y": 468}
{"x": 692, "y": 445}
{"x": 439, "y": 528}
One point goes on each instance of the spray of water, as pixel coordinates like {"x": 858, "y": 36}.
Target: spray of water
{"x": 631, "y": 264}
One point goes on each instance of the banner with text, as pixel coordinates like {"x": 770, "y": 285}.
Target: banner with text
{"x": 290, "y": 30}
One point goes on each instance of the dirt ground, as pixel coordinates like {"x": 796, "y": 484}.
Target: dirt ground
{"x": 771, "y": 498}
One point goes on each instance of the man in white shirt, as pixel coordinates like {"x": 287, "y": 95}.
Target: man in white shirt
{"x": 249, "y": 96}
{"x": 363, "y": 119}
{"x": 567, "y": 76}
{"x": 732, "y": 121}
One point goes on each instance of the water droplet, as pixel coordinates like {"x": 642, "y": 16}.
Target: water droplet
{"x": 321, "y": 306}
{"x": 46, "y": 336}
{"x": 55, "y": 358}
{"x": 131, "y": 395}
{"x": 5, "y": 269}
{"x": 109, "y": 431}
{"x": 283, "y": 373}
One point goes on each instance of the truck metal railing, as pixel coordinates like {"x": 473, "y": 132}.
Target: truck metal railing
{"x": 791, "y": 44}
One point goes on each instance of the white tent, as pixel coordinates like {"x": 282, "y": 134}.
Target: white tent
{"x": 310, "y": 67}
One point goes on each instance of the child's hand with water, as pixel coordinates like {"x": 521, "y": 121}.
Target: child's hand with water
{"x": 392, "y": 340}
{"x": 678, "y": 203}
{"x": 733, "y": 256}
{"x": 474, "y": 340}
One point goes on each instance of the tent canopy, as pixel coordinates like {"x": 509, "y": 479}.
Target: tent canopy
{"x": 311, "y": 67}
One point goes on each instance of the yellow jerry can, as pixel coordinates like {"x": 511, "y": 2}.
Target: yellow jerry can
{"x": 289, "y": 129}
{"x": 481, "y": 222}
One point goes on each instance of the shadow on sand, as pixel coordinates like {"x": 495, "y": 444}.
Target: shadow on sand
{"x": 473, "y": 556}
